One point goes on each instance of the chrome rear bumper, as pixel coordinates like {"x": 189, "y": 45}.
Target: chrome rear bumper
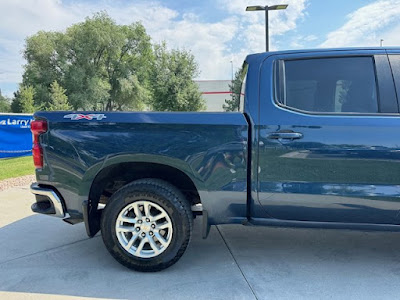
{"x": 47, "y": 202}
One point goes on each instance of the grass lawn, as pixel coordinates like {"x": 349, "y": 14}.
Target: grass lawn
{"x": 15, "y": 167}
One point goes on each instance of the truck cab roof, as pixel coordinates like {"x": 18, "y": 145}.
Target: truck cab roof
{"x": 263, "y": 55}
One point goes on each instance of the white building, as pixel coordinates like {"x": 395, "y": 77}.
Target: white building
{"x": 214, "y": 92}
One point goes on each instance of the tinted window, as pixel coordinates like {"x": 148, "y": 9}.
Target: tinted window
{"x": 330, "y": 85}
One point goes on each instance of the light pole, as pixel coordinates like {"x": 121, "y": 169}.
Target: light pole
{"x": 267, "y": 9}
{"x": 232, "y": 68}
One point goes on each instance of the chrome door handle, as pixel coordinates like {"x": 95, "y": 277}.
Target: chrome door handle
{"x": 285, "y": 135}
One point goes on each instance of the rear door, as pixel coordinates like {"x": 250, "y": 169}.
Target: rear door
{"x": 329, "y": 138}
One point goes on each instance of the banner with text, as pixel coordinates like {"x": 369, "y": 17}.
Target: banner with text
{"x": 15, "y": 135}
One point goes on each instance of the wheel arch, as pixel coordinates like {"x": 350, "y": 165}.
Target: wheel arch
{"x": 118, "y": 173}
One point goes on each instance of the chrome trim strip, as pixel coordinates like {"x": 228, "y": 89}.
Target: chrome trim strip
{"x": 37, "y": 190}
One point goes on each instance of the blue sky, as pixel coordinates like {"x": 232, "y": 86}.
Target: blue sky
{"x": 217, "y": 32}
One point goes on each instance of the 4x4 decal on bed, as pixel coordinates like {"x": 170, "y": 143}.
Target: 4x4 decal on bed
{"x": 75, "y": 117}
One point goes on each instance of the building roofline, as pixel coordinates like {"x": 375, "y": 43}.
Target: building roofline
{"x": 210, "y": 80}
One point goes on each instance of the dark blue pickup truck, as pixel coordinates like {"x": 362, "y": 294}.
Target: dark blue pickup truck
{"x": 315, "y": 143}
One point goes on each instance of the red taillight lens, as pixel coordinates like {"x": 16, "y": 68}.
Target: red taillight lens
{"x": 37, "y": 156}
{"x": 38, "y": 127}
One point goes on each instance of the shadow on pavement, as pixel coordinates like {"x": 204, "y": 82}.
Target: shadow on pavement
{"x": 44, "y": 255}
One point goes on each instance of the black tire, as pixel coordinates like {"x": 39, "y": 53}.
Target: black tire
{"x": 168, "y": 198}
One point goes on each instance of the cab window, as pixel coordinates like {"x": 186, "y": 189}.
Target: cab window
{"x": 330, "y": 85}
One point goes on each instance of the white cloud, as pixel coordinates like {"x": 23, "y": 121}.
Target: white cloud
{"x": 214, "y": 44}
{"x": 299, "y": 41}
{"x": 24, "y": 17}
{"x": 391, "y": 38}
{"x": 21, "y": 19}
{"x": 365, "y": 25}
{"x": 206, "y": 41}
{"x": 252, "y": 23}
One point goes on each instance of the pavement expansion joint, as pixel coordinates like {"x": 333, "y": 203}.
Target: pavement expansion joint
{"x": 237, "y": 264}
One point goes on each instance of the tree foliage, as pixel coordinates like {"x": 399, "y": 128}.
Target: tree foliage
{"x": 92, "y": 60}
{"x": 173, "y": 87}
{"x": 4, "y": 104}
{"x": 235, "y": 89}
{"x": 58, "y": 99}
{"x": 103, "y": 65}
{"x": 42, "y": 53}
{"x": 25, "y": 99}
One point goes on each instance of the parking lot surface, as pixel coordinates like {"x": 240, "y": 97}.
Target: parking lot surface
{"x": 44, "y": 258}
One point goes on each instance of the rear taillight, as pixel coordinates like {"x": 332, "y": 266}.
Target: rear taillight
{"x": 38, "y": 127}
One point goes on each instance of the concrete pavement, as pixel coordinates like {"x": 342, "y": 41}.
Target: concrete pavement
{"x": 44, "y": 258}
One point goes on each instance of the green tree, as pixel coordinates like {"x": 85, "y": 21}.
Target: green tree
{"x": 131, "y": 89}
{"x": 45, "y": 56}
{"x": 26, "y": 95}
{"x": 93, "y": 60}
{"x": 235, "y": 89}
{"x": 4, "y": 104}
{"x": 59, "y": 101}
{"x": 15, "y": 104}
{"x": 172, "y": 81}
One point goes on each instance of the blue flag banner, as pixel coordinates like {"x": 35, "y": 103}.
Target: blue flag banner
{"x": 15, "y": 135}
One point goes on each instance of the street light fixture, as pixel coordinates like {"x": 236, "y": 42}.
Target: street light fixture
{"x": 267, "y": 9}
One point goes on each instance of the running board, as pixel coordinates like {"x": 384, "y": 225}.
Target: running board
{"x": 321, "y": 225}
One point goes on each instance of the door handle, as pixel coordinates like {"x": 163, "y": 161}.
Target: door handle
{"x": 285, "y": 135}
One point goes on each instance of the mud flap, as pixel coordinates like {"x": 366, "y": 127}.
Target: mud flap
{"x": 206, "y": 225}
{"x": 91, "y": 218}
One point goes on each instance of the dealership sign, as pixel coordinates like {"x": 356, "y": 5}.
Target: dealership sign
{"x": 22, "y": 123}
{"x": 15, "y": 135}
